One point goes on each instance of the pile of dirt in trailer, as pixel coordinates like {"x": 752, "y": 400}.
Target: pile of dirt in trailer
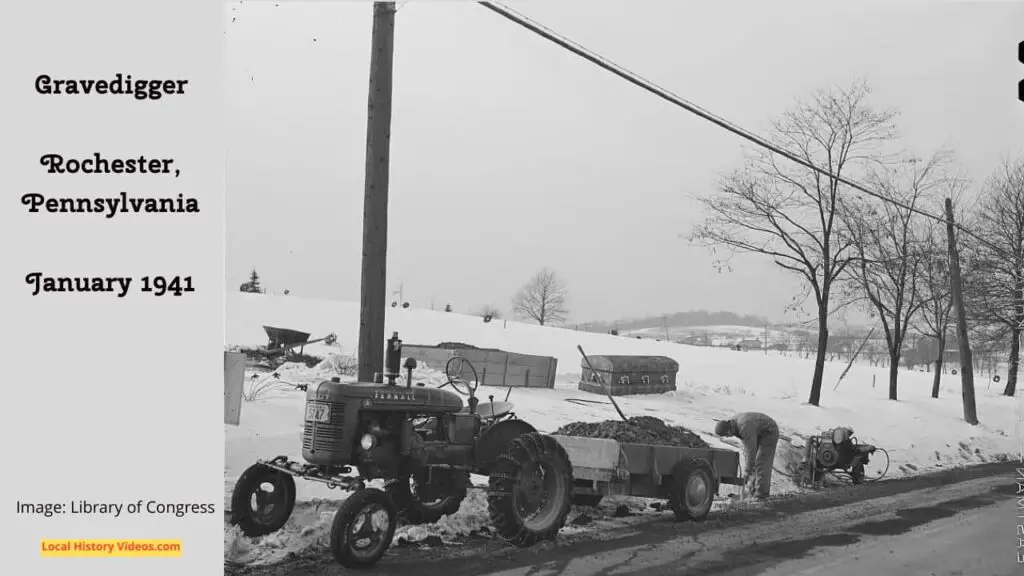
{"x": 639, "y": 430}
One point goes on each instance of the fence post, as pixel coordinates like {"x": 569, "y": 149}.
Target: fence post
{"x": 234, "y": 384}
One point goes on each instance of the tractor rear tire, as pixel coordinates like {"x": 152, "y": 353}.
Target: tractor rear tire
{"x": 409, "y": 502}
{"x": 344, "y": 543}
{"x": 272, "y": 509}
{"x": 515, "y": 483}
{"x": 693, "y": 489}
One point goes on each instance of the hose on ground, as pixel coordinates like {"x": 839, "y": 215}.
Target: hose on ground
{"x": 585, "y": 402}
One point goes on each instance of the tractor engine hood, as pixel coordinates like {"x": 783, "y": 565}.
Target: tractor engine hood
{"x": 383, "y": 397}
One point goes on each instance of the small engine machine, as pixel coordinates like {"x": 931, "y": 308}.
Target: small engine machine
{"x": 834, "y": 451}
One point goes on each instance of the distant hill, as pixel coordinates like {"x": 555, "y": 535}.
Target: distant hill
{"x": 681, "y": 320}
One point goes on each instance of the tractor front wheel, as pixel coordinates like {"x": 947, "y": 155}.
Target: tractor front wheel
{"x": 262, "y": 501}
{"x": 363, "y": 528}
{"x": 429, "y": 499}
{"x": 530, "y": 490}
{"x": 693, "y": 489}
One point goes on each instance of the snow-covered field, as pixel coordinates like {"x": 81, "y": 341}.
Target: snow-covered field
{"x": 919, "y": 433}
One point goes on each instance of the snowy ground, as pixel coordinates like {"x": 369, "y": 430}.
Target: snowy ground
{"x": 919, "y": 433}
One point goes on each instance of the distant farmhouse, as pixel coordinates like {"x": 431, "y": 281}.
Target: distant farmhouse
{"x": 749, "y": 344}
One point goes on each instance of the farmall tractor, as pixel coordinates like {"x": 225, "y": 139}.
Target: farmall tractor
{"x": 424, "y": 443}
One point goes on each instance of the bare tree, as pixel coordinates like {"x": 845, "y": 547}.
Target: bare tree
{"x": 490, "y": 311}
{"x": 542, "y": 299}
{"x": 997, "y": 289}
{"x": 890, "y": 244}
{"x": 936, "y": 312}
{"x": 786, "y": 212}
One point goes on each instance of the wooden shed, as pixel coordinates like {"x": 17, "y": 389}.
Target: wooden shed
{"x": 628, "y": 375}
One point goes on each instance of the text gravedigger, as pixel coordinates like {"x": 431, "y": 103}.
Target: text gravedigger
{"x": 116, "y": 509}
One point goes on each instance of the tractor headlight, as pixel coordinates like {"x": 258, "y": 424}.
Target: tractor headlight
{"x": 367, "y": 441}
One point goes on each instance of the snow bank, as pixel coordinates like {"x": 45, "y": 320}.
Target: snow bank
{"x": 919, "y": 433}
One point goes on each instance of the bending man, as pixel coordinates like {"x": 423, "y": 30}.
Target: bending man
{"x": 760, "y": 436}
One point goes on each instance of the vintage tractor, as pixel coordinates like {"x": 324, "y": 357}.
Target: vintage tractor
{"x": 834, "y": 451}
{"x": 424, "y": 444}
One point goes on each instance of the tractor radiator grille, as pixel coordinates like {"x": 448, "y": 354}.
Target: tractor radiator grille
{"x": 326, "y": 436}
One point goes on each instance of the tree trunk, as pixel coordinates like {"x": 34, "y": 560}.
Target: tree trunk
{"x": 1011, "y": 375}
{"x": 819, "y": 360}
{"x": 894, "y": 373}
{"x": 938, "y": 366}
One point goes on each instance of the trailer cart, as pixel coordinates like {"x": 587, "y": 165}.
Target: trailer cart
{"x": 688, "y": 478}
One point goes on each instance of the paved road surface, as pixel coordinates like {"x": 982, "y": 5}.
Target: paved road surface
{"x": 974, "y": 543}
{"x": 957, "y": 523}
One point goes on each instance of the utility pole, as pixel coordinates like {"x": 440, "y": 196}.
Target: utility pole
{"x": 373, "y": 290}
{"x": 956, "y": 286}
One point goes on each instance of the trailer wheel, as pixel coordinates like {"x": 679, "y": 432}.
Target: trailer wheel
{"x": 693, "y": 489}
{"x": 426, "y": 503}
{"x": 262, "y": 501}
{"x": 531, "y": 489}
{"x": 363, "y": 528}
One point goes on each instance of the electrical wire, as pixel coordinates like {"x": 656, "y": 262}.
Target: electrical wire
{"x": 673, "y": 98}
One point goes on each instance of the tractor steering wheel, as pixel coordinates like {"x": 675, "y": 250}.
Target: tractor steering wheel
{"x": 454, "y": 369}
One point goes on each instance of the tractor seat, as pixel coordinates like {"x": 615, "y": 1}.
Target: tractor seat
{"x": 490, "y": 409}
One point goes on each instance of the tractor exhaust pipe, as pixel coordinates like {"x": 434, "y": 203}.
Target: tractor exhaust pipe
{"x": 393, "y": 359}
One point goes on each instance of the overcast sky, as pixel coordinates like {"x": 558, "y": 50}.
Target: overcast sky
{"x": 509, "y": 154}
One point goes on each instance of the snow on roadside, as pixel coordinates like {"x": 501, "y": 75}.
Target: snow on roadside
{"x": 919, "y": 433}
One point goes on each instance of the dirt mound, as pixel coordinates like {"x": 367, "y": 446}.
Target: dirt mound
{"x": 639, "y": 430}
{"x": 464, "y": 346}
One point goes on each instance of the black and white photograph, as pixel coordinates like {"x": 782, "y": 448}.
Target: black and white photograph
{"x": 574, "y": 288}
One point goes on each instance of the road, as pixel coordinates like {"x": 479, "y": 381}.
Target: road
{"x": 937, "y": 548}
{"x": 955, "y": 523}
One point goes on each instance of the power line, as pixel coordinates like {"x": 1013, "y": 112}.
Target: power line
{"x": 665, "y": 94}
